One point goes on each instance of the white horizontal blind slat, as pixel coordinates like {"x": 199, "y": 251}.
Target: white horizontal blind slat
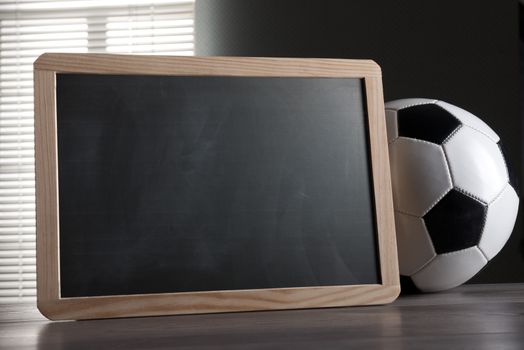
{"x": 29, "y": 28}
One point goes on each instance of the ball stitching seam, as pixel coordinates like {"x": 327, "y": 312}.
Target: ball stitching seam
{"x": 449, "y": 177}
{"x": 471, "y": 195}
{"x": 453, "y": 133}
{"x": 470, "y": 126}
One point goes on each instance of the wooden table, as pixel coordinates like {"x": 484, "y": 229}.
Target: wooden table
{"x": 469, "y": 317}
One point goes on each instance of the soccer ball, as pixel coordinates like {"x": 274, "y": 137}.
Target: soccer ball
{"x": 455, "y": 201}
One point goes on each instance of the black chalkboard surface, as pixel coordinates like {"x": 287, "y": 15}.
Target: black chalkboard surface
{"x": 174, "y": 185}
{"x": 178, "y": 184}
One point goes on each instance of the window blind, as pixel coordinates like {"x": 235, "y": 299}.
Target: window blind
{"x": 28, "y": 29}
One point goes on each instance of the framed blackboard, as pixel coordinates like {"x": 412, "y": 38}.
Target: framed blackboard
{"x": 170, "y": 185}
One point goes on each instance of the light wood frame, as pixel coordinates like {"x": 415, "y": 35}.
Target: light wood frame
{"x": 48, "y": 277}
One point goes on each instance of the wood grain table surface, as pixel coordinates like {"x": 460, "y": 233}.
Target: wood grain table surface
{"x": 469, "y": 317}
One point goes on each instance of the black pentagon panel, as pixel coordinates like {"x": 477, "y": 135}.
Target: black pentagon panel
{"x": 428, "y": 122}
{"x": 455, "y": 222}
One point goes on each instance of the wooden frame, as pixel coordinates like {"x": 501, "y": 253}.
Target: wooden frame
{"x": 48, "y": 282}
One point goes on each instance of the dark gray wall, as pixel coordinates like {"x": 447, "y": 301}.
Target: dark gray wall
{"x": 462, "y": 52}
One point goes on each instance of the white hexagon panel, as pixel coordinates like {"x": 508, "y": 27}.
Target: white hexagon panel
{"x": 414, "y": 244}
{"x": 449, "y": 270}
{"x": 500, "y": 219}
{"x": 419, "y": 174}
{"x": 476, "y": 164}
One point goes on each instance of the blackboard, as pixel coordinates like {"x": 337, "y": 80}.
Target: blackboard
{"x": 173, "y": 184}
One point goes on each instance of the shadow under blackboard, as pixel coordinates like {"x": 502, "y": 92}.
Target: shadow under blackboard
{"x": 306, "y": 329}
